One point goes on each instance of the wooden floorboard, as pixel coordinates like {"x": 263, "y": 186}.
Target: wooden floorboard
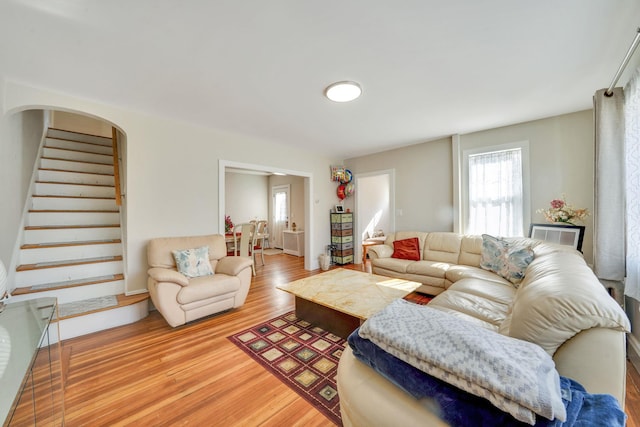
{"x": 149, "y": 374}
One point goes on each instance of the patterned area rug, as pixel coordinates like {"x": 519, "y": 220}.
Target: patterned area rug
{"x": 302, "y": 356}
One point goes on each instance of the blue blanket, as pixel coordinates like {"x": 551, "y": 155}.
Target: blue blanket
{"x": 459, "y": 408}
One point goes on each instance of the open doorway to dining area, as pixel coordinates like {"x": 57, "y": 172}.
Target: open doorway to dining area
{"x": 251, "y": 193}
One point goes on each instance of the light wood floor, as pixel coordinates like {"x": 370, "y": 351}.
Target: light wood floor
{"x": 148, "y": 374}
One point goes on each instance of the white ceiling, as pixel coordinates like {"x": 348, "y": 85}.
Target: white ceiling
{"x": 428, "y": 68}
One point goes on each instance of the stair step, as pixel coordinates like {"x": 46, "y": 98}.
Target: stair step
{"x": 73, "y": 243}
{"x": 77, "y": 156}
{"x": 75, "y": 166}
{"x": 67, "y": 263}
{"x": 95, "y": 305}
{"x": 67, "y": 284}
{"x": 82, "y": 203}
{"x": 75, "y": 177}
{"x": 78, "y": 136}
{"x": 51, "y": 252}
{"x": 70, "y": 189}
{"x": 71, "y": 218}
{"x": 87, "y": 147}
{"x": 63, "y": 227}
{"x": 39, "y": 234}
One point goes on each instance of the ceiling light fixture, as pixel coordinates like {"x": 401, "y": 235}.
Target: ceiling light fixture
{"x": 343, "y": 91}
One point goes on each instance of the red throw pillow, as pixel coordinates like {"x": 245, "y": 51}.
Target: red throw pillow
{"x": 407, "y": 249}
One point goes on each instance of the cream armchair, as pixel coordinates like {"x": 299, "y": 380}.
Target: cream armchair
{"x": 181, "y": 299}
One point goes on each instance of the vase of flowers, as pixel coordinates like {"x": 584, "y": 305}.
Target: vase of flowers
{"x": 228, "y": 224}
{"x": 562, "y": 212}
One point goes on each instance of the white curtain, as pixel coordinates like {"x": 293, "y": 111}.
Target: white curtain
{"x": 280, "y": 217}
{"x": 495, "y": 193}
{"x": 632, "y": 178}
{"x": 608, "y": 215}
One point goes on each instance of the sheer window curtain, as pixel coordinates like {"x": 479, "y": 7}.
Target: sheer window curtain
{"x": 496, "y": 193}
{"x": 632, "y": 180}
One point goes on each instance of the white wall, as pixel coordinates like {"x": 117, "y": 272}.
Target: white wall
{"x": 172, "y": 173}
{"x": 20, "y": 137}
{"x": 373, "y": 205}
{"x": 561, "y": 160}
{"x": 80, "y": 123}
{"x": 246, "y": 197}
{"x": 423, "y": 183}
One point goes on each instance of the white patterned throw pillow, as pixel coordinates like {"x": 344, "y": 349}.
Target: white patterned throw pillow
{"x": 193, "y": 262}
{"x": 504, "y": 258}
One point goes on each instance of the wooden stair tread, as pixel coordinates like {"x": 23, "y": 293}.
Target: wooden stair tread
{"x": 73, "y": 211}
{"x": 122, "y": 301}
{"x": 78, "y": 151}
{"x": 73, "y": 197}
{"x": 77, "y": 133}
{"x": 64, "y": 244}
{"x": 72, "y": 171}
{"x": 67, "y": 263}
{"x": 76, "y": 161}
{"x": 67, "y": 284}
{"x": 95, "y": 144}
{"x": 66, "y": 227}
{"x": 72, "y": 183}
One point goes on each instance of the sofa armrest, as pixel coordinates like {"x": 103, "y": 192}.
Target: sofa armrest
{"x": 160, "y": 274}
{"x": 233, "y": 265}
{"x": 380, "y": 251}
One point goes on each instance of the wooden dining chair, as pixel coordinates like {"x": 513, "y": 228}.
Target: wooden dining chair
{"x": 243, "y": 236}
{"x": 258, "y": 240}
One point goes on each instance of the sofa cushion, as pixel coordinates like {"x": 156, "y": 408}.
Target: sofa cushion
{"x": 159, "y": 249}
{"x": 487, "y": 302}
{"x": 504, "y": 258}
{"x": 560, "y": 297}
{"x": 459, "y": 272}
{"x": 193, "y": 262}
{"x": 429, "y": 268}
{"x": 470, "y": 251}
{"x": 406, "y": 249}
{"x": 207, "y": 287}
{"x": 443, "y": 247}
{"x": 393, "y": 264}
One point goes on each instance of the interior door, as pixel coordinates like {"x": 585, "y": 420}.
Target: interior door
{"x": 281, "y": 208}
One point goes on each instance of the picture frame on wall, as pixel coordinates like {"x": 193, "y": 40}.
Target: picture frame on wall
{"x": 339, "y": 209}
{"x": 563, "y": 234}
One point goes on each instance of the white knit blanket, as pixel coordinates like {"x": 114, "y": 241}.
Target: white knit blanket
{"x": 516, "y": 376}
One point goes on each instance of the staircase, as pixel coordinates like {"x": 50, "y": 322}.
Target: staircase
{"x": 72, "y": 247}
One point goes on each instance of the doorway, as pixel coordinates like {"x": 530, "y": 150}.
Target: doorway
{"x": 375, "y": 207}
{"x": 281, "y": 209}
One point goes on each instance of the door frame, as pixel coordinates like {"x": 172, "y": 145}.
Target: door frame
{"x": 309, "y": 239}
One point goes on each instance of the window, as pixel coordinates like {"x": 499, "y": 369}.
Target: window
{"x": 494, "y": 181}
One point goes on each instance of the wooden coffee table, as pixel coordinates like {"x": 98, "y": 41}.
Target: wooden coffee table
{"x": 341, "y": 299}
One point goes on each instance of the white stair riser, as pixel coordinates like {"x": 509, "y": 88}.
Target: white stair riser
{"x": 78, "y": 293}
{"x": 79, "y": 156}
{"x": 75, "y": 166}
{"x": 75, "y": 177}
{"x": 79, "y": 146}
{"x": 99, "y": 321}
{"x": 68, "y": 203}
{"x": 72, "y": 218}
{"x": 55, "y": 133}
{"x": 70, "y": 235}
{"x": 61, "y": 274}
{"x": 76, "y": 252}
{"x": 75, "y": 190}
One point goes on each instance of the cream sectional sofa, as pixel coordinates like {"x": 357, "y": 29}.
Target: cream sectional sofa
{"x": 559, "y": 305}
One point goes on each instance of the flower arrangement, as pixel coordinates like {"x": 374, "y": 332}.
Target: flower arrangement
{"x": 561, "y": 211}
{"x": 228, "y": 224}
